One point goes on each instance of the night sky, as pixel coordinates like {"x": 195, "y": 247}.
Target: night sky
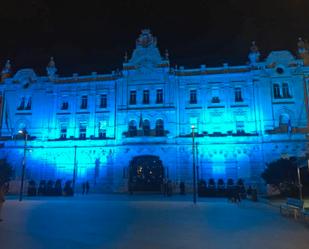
{"x": 88, "y": 36}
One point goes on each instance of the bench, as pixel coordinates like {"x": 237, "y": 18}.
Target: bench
{"x": 293, "y": 207}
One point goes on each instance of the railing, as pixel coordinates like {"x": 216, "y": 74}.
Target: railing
{"x": 148, "y": 133}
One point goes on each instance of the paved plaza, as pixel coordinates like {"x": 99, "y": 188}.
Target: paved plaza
{"x": 146, "y": 222}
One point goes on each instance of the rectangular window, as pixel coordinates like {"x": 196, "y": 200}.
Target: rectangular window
{"x": 132, "y": 129}
{"x": 240, "y": 126}
{"x": 215, "y": 100}
{"x": 103, "y": 101}
{"x": 132, "y": 98}
{"x": 238, "y": 96}
{"x": 276, "y": 89}
{"x": 102, "y": 129}
{"x": 21, "y": 104}
{"x": 84, "y": 103}
{"x": 285, "y": 91}
{"x": 102, "y": 133}
{"x": 159, "y": 99}
{"x": 65, "y": 105}
{"x": 28, "y": 106}
{"x": 82, "y": 131}
{"x": 215, "y": 96}
{"x": 146, "y": 97}
{"x": 63, "y": 132}
{"x": 193, "y": 98}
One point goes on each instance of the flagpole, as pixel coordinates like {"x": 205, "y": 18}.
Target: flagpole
{"x": 7, "y": 117}
{"x": 289, "y": 128}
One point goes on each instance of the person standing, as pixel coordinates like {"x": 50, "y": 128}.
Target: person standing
{"x": 84, "y": 188}
{"x": 236, "y": 194}
{"x": 87, "y": 187}
{"x": 169, "y": 190}
{"x": 182, "y": 188}
{"x": 165, "y": 187}
{"x": 2, "y": 200}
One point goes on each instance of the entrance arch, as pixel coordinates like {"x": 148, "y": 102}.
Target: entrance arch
{"x": 146, "y": 173}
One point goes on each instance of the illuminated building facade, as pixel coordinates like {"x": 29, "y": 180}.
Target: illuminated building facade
{"x": 93, "y": 126}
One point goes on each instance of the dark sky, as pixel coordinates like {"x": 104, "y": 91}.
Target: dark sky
{"x": 93, "y": 35}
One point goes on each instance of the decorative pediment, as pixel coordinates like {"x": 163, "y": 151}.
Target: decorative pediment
{"x": 280, "y": 58}
{"x": 25, "y": 76}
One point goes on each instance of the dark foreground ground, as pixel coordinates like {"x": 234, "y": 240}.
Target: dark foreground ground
{"x": 146, "y": 222}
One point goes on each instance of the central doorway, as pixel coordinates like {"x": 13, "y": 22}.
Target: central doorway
{"x": 146, "y": 173}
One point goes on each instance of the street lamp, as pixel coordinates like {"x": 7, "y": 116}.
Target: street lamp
{"x": 25, "y": 135}
{"x": 74, "y": 169}
{"x": 193, "y": 165}
{"x": 300, "y": 186}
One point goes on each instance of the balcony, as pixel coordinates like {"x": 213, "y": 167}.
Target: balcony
{"x": 145, "y": 133}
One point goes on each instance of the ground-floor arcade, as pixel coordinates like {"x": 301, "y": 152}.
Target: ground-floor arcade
{"x": 107, "y": 166}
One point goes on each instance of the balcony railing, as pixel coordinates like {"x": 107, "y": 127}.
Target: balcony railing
{"x": 148, "y": 133}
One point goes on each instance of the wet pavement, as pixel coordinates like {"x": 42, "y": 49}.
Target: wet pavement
{"x": 146, "y": 221}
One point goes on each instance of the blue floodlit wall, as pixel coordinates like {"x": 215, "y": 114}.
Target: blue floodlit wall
{"x": 244, "y": 117}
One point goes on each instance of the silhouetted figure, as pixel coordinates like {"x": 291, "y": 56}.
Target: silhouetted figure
{"x": 236, "y": 194}
{"x": 2, "y": 199}
{"x": 243, "y": 192}
{"x": 42, "y": 188}
{"x": 254, "y": 194}
{"x": 229, "y": 193}
{"x": 130, "y": 188}
{"x": 6, "y": 187}
{"x": 83, "y": 188}
{"x": 165, "y": 187}
{"x": 58, "y": 188}
{"x": 249, "y": 191}
{"x": 68, "y": 190}
{"x": 182, "y": 188}
{"x": 32, "y": 188}
{"x": 50, "y": 190}
{"x": 169, "y": 188}
{"x": 87, "y": 187}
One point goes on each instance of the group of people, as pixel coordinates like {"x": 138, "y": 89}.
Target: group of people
{"x": 168, "y": 187}
{"x": 237, "y": 193}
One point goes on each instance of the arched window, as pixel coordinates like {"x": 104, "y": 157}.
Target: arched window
{"x": 132, "y": 129}
{"x": 146, "y": 127}
{"x": 159, "y": 128}
{"x": 284, "y": 119}
{"x": 276, "y": 91}
{"x": 285, "y": 90}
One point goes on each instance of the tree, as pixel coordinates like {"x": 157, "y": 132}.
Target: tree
{"x": 282, "y": 174}
{"x": 5, "y": 172}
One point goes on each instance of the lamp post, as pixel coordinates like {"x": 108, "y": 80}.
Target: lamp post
{"x": 193, "y": 165}
{"x": 74, "y": 169}
{"x": 299, "y": 184}
{"x": 300, "y": 165}
{"x": 25, "y": 135}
